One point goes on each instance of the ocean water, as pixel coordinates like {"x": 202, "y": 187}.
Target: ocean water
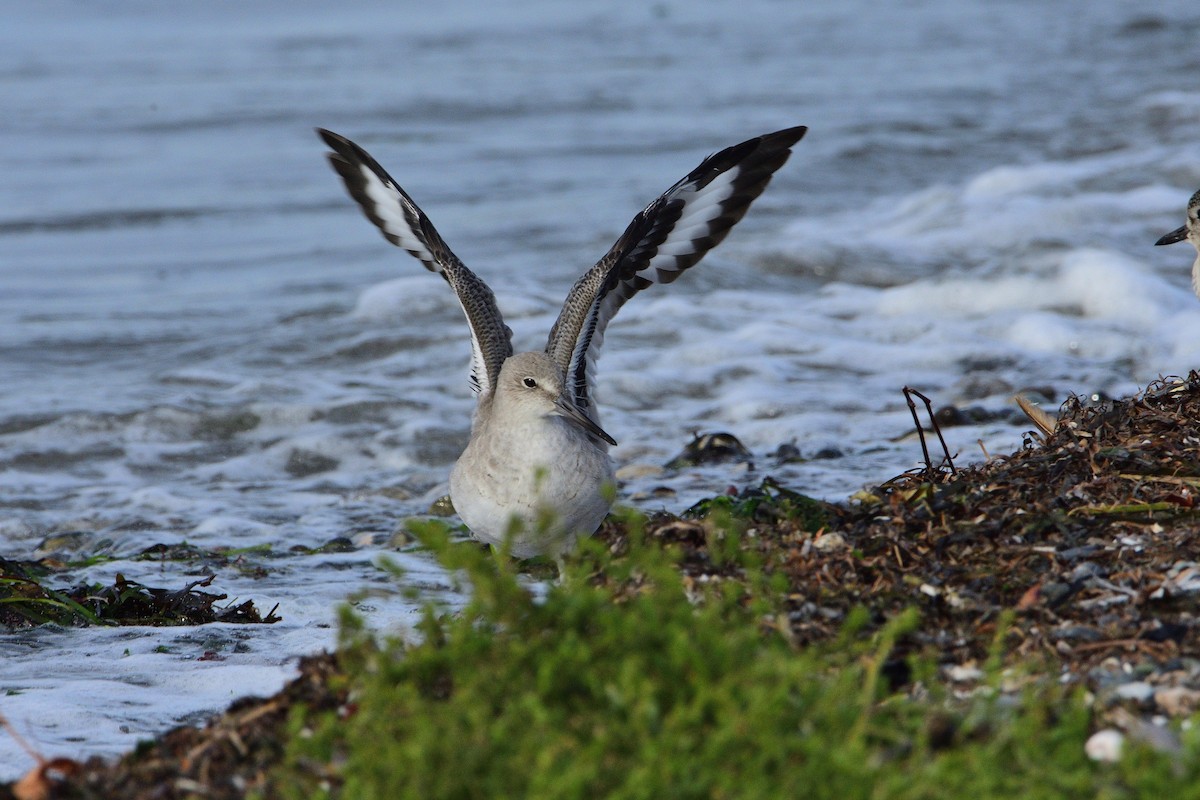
{"x": 202, "y": 340}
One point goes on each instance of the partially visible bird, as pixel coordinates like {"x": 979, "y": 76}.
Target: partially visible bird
{"x": 1189, "y": 230}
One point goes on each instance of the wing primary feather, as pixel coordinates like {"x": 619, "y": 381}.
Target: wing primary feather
{"x": 404, "y": 224}
{"x": 669, "y": 236}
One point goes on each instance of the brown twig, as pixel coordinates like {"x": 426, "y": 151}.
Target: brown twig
{"x": 912, "y": 407}
{"x": 39, "y": 783}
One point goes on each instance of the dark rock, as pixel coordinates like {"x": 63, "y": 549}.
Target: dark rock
{"x": 302, "y": 463}
{"x": 710, "y": 448}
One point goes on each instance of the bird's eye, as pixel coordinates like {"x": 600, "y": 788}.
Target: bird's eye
{"x": 530, "y": 383}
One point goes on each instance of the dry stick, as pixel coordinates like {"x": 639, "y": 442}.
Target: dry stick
{"x": 38, "y": 782}
{"x": 912, "y": 407}
{"x": 21, "y": 741}
{"x": 938, "y": 430}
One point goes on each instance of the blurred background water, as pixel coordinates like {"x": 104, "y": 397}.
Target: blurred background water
{"x": 202, "y": 340}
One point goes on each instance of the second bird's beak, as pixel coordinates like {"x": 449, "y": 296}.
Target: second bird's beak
{"x": 567, "y": 409}
{"x": 1177, "y": 235}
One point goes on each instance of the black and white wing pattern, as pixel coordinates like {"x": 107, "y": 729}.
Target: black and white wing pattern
{"x": 668, "y": 236}
{"x": 405, "y": 225}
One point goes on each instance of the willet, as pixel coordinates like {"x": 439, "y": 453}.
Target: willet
{"x": 536, "y": 473}
{"x": 1189, "y": 230}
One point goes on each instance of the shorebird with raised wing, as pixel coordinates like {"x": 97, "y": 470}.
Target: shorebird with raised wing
{"x": 536, "y": 473}
{"x": 1189, "y": 230}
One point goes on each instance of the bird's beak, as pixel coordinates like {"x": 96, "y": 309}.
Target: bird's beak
{"x": 567, "y": 409}
{"x": 1177, "y": 235}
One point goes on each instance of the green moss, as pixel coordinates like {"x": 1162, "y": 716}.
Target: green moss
{"x": 621, "y": 682}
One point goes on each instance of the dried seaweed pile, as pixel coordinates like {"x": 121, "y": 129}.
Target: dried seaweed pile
{"x": 227, "y": 759}
{"x": 1090, "y": 538}
{"x": 25, "y": 602}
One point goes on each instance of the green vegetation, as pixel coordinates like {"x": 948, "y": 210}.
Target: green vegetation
{"x": 628, "y": 680}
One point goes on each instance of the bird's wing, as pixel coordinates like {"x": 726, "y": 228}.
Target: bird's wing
{"x": 668, "y": 236}
{"x": 405, "y": 225}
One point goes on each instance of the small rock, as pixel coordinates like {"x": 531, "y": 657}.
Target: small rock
{"x": 399, "y": 539}
{"x": 1138, "y": 691}
{"x": 828, "y": 613}
{"x": 1166, "y": 631}
{"x": 396, "y": 492}
{"x": 1105, "y": 745}
{"x": 1076, "y": 553}
{"x": 1154, "y": 734}
{"x": 363, "y": 539}
{"x": 442, "y": 507}
{"x": 829, "y": 542}
{"x": 338, "y": 544}
{"x": 63, "y": 543}
{"x": 710, "y": 448}
{"x": 1106, "y": 676}
{"x": 1182, "y": 579}
{"x": 1055, "y": 592}
{"x": 1077, "y": 633}
{"x": 1085, "y": 570}
{"x": 302, "y": 463}
{"x": 222, "y": 427}
{"x": 961, "y": 673}
{"x": 1177, "y": 701}
{"x": 786, "y": 453}
{"x": 981, "y": 385}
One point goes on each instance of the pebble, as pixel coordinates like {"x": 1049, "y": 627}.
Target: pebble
{"x": 1077, "y": 633}
{"x": 710, "y": 448}
{"x": 1138, "y": 691}
{"x": 302, "y": 463}
{"x": 1055, "y": 592}
{"x": 1177, "y": 701}
{"x": 1105, "y": 745}
{"x": 1182, "y": 579}
{"x": 1076, "y": 553}
{"x": 786, "y": 453}
{"x": 829, "y": 542}
{"x": 62, "y": 544}
{"x": 1085, "y": 570}
{"x": 441, "y": 507}
{"x": 962, "y": 673}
